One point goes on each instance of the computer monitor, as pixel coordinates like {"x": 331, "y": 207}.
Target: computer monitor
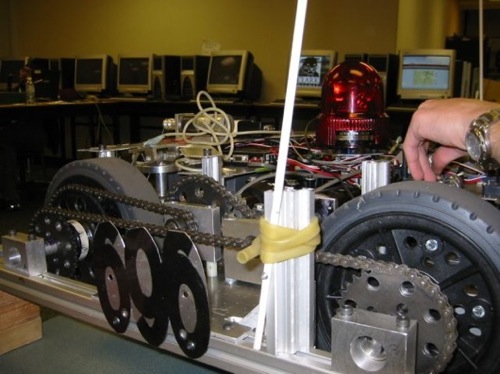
{"x": 313, "y": 66}
{"x": 426, "y": 74}
{"x": 94, "y": 74}
{"x": 233, "y": 73}
{"x": 9, "y": 71}
{"x": 134, "y": 74}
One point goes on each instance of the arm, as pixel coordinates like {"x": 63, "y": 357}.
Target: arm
{"x": 444, "y": 122}
{"x": 495, "y": 141}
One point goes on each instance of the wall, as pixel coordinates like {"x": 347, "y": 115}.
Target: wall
{"x": 426, "y": 23}
{"x": 5, "y": 45}
{"x": 52, "y": 28}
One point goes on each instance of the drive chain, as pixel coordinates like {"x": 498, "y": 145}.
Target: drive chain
{"x": 420, "y": 280}
{"x": 157, "y": 230}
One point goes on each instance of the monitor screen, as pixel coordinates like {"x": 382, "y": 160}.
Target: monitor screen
{"x": 91, "y": 73}
{"x": 226, "y": 72}
{"x": 134, "y": 74}
{"x": 9, "y": 70}
{"x": 313, "y": 66}
{"x": 426, "y": 74}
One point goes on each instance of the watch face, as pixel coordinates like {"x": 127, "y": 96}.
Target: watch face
{"x": 473, "y": 146}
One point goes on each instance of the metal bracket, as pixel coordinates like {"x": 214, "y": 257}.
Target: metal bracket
{"x": 369, "y": 342}
{"x": 24, "y": 253}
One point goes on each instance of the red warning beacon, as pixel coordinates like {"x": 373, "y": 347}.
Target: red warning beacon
{"x": 352, "y": 117}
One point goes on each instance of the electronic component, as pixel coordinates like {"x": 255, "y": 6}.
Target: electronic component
{"x": 426, "y": 74}
{"x": 234, "y": 73}
{"x": 95, "y": 74}
{"x": 313, "y": 67}
{"x": 134, "y": 74}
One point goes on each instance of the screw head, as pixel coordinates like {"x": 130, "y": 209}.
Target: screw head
{"x": 478, "y": 311}
{"x": 431, "y": 245}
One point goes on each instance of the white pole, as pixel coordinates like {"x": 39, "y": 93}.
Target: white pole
{"x": 286, "y": 128}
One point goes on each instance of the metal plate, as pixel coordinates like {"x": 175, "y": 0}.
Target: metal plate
{"x": 187, "y": 295}
{"x": 111, "y": 277}
{"x": 146, "y": 281}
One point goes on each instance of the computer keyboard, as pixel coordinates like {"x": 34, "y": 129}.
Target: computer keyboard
{"x": 128, "y": 98}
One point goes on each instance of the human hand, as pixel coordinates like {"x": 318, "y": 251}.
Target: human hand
{"x": 444, "y": 122}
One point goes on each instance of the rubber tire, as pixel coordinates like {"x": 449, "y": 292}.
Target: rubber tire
{"x": 465, "y": 214}
{"x": 114, "y": 175}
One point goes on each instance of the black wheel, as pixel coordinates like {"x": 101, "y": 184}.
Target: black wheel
{"x": 447, "y": 233}
{"x": 110, "y": 174}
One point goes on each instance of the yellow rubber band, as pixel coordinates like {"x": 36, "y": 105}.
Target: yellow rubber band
{"x": 278, "y": 243}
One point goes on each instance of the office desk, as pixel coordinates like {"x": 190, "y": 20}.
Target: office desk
{"x": 64, "y": 115}
{"x": 59, "y": 112}
{"x": 271, "y": 112}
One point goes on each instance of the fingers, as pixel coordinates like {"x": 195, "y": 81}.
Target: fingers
{"x": 443, "y": 156}
{"x": 417, "y": 158}
{"x": 427, "y": 167}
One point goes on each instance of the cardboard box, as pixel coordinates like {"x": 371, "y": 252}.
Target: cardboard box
{"x": 20, "y": 322}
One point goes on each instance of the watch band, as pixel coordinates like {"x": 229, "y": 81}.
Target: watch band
{"x": 477, "y": 139}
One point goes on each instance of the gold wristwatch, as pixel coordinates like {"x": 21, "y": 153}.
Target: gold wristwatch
{"x": 477, "y": 139}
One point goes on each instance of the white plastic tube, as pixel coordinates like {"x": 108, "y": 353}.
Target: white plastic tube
{"x": 286, "y": 128}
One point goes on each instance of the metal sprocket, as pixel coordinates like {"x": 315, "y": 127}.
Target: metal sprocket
{"x": 397, "y": 294}
{"x": 61, "y": 243}
{"x": 201, "y": 189}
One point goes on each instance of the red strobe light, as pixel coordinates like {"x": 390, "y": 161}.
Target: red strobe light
{"x": 352, "y": 109}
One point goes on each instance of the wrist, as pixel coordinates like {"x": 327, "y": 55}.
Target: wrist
{"x": 495, "y": 141}
{"x": 481, "y": 144}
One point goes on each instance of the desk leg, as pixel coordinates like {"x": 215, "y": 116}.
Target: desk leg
{"x": 62, "y": 137}
{"x": 116, "y": 129}
{"x": 135, "y": 129}
{"x": 72, "y": 133}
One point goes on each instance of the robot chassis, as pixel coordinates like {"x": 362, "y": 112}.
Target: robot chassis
{"x": 405, "y": 279}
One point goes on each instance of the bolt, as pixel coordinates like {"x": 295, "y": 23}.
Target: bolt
{"x": 478, "y": 311}
{"x": 12, "y": 232}
{"x": 346, "y": 311}
{"x": 259, "y": 207}
{"x": 124, "y": 313}
{"x": 431, "y": 245}
{"x": 402, "y": 322}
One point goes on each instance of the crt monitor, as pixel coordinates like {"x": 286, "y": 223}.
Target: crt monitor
{"x": 9, "y": 71}
{"x": 134, "y": 74}
{"x": 228, "y": 72}
{"x": 93, "y": 73}
{"x": 313, "y": 66}
{"x": 426, "y": 74}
